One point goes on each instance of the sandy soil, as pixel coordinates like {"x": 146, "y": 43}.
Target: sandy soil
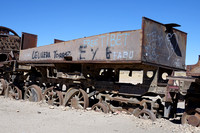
{"x": 28, "y": 117}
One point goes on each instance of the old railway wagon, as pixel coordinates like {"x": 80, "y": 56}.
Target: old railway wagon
{"x": 192, "y": 110}
{"x": 192, "y": 93}
{"x": 116, "y": 71}
{"x": 10, "y": 45}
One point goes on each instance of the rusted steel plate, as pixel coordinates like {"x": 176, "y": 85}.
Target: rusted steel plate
{"x": 82, "y": 61}
{"x": 163, "y": 46}
{"x": 57, "y": 41}
{"x": 193, "y": 70}
{"x": 154, "y": 44}
{"x": 181, "y": 78}
{"x": 113, "y": 46}
{"x": 28, "y": 40}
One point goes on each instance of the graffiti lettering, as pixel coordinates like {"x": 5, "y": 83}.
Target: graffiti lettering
{"x": 82, "y": 51}
{"x": 123, "y": 55}
{"x": 111, "y": 40}
{"x": 35, "y": 55}
{"x": 38, "y": 55}
{"x": 154, "y": 40}
{"x": 108, "y": 52}
{"x": 154, "y": 37}
{"x": 90, "y": 42}
{"x": 151, "y": 52}
{"x": 94, "y": 53}
{"x": 171, "y": 41}
{"x": 102, "y": 38}
{"x": 62, "y": 54}
{"x": 125, "y": 34}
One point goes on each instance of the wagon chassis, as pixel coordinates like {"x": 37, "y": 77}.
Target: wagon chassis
{"x": 86, "y": 72}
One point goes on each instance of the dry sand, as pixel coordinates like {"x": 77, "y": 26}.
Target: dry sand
{"x": 28, "y": 117}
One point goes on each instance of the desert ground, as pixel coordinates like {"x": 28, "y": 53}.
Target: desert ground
{"x": 29, "y": 117}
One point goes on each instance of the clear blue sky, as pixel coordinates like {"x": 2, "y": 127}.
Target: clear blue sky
{"x": 72, "y": 19}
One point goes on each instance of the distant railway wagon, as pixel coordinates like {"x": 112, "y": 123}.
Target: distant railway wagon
{"x": 191, "y": 91}
{"x": 117, "y": 71}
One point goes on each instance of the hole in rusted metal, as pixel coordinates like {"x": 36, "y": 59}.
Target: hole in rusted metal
{"x": 3, "y": 57}
{"x": 164, "y": 76}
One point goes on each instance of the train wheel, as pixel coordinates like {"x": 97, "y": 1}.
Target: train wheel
{"x": 191, "y": 117}
{"x": 146, "y": 114}
{"x": 135, "y": 111}
{"x": 2, "y": 86}
{"x": 100, "y": 107}
{"x": 53, "y": 97}
{"x": 33, "y": 93}
{"x": 13, "y": 92}
{"x": 76, "y": 98}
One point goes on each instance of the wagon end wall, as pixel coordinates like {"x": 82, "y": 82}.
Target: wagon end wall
{"x": 163, "y": 45}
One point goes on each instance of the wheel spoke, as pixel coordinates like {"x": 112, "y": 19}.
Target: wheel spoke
{"x": 34, "y": 92}
{"x": 99, "y": 107}
{"x": 14, "y": 92}
{"x": 53, "y": 97}
{"x": 27, "y": 95}
{"x": 30, "y": 93}
{"x": 81, "y": 97}
{"x": 77, "y": 99}
{"x": 146, "y": 114}
{"x": 81, "y": 102}
{"x": 79, "y": 93}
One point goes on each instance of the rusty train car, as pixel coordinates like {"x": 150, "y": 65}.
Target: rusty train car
{"x": 100, "y": 71}
{"x": 192, "y": 110}
{"x": 10, "y": 45}
{"x": 192, "y": 93}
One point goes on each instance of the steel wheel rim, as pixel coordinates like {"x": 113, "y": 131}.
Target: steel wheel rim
{"x": 187, "y": 116}
{"x": 146, "y": 114}
{"x": 33, "y": 93}
{"x": 14, "y": 92}
{"x": 2, "y": 86}
{"x": 100, "y": 107}
{"x": 53, "y": 97}
{"x": 77, "y": 98}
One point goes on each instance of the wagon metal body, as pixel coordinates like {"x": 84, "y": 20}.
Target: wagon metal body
{"x": 192, "y": 101}
{"x": 155, "y": 43}
{"x": 99, "y": 71}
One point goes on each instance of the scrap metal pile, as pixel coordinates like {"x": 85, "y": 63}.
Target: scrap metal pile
{"x": 98, "y": 71}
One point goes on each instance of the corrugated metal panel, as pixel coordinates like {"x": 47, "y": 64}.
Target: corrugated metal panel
{"x": 163, "y": 47}
{"x": 9, "y": 40}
